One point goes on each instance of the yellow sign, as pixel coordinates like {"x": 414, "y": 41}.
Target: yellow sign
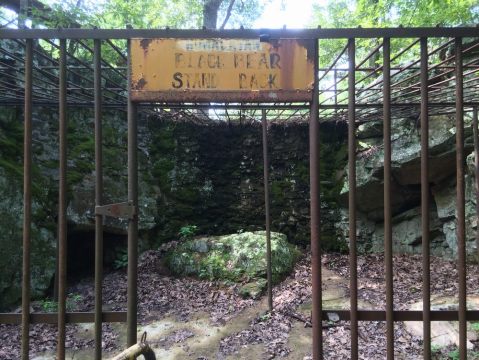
{"x": 177, "y": 70}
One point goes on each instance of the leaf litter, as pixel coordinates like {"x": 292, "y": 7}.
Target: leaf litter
{"x": 160, "y": 295}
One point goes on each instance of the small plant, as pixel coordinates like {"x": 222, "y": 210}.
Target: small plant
{"x": 121, "y": 259}
{"x": 187, "y": 231}
{"x": 265, "y": 317}
{"x": 49, "y": 306}
{"x": 475, "y": 326}
{"x": 435, "y": 349}
{"x": 72, "y": 301}
{"x": 454, "y": 355}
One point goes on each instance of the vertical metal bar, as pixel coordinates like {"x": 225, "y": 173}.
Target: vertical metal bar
{"x": 460, "y": 202}
{"x": 27, "y": 198}
{"x": 266, "y": 207}
{"x": 62, "y": 219}
{"x": 476, "y": 160}
{"x": 336, "y": 91}
{"x": 426, "y": 298}
{"x": 133, "y": 223}
{"x": 388, "y": 242}
{"x": 353, "y": 275}
{"x": 98, "y": 197}
{"x": 23, "y": 13}
{"x": 317, "y": 313}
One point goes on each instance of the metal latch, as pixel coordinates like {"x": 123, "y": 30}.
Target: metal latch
{"x": 118, "y": 210}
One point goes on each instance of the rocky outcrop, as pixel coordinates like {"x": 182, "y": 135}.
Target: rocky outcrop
{"x": 406, "y": 166}
{"x": 236, "y": 257}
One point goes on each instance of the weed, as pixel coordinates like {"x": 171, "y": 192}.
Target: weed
{"x": 72, "y": 301}
{"x": 264, "y": 317}
{"x": 49, "y": 306}
{"x": 187, "y": 231}
{"x": 454, "y": 355}
{"x": 121, "y": 259}
{"x": 435, "y": 349}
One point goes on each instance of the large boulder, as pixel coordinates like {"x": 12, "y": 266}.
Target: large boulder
{"x": 237, "y": 257}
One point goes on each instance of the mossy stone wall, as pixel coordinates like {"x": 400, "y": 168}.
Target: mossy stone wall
{"x": 210, "y": 176}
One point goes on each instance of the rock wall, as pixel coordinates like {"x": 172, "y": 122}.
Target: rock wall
{"x": 189, "y": 174}
{"x": 406, "y": 188}
{"x": 212, "y": 177}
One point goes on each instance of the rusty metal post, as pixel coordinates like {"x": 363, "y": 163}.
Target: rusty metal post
{"x": 317, "y": 312}
{"x": 460, "y": 202}
{"x": 132, "y": 306}
{"x": 98, "y": 197}
{"x": 335, "y": 91}
{"x": 426, "y": 288}
{"x": 267, "y": 210}
{"x": 388, "y": 241}
{"x": 23, "y": 13}
{"x": 353, "y": 272}
{"x": 476, "y": 164}
{"x": 27, "y": 198}
{"x": 62, "y": 213}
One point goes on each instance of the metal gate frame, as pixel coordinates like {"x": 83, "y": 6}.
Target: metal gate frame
{"x": 353, "y": 315}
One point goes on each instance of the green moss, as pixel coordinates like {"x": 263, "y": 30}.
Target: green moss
{"x": 331, "y": 242}
{"x": 302, "y": 171}
{"x": 237, "y": 257}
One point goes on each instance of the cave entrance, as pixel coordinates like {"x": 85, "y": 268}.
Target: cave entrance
{"x": 441, "y": 78}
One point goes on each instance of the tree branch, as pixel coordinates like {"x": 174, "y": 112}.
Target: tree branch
{"x": 14, "y": 5}
{"x": 228, "y": 14}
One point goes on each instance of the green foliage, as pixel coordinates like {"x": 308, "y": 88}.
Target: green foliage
{"x": 187, "y": 231}
{"x": 72, "y": 303}
{"x": 265, "y": 317}
{"x": 454, "y": 355}
{"x": 49, "y": 306}
{"x": 237, "y": 257}
{"x": 140, "y": 14}
{"x": 121, "y": 259}
{"x": 388, "y": 13}
{"x": 475, "y": 326}
{"x": 435, "y": 349}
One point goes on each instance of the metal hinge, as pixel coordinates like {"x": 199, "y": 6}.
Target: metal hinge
{"x": 118, "y": 210}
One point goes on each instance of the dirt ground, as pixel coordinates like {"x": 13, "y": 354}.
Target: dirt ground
{"x": 192, "y": 319}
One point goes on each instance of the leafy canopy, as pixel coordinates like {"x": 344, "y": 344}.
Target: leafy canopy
{"x": 150, "y": 14}
{"x": 389, "y": 13}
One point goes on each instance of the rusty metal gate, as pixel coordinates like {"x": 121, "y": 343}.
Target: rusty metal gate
{"x": 343, "y": 103}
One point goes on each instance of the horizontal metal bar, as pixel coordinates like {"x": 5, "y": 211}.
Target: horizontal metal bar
{"x": 261, "y": 96}
{"x": 71, "y": 318}
{"x": 119, "y": 210}
{"x": 271, "y": 106}
{"x": 403, "y": 315}
{"x": 363, "y": 315}
{"x": 241, "y": 33}
{"x": 398, "y": 105}
{"x": 235, "y": 106}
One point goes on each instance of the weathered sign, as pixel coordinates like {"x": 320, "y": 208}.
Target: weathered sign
{"x": 178, "y": 70}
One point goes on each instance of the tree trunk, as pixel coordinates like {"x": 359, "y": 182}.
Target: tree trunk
{"x": 210, "y": 13}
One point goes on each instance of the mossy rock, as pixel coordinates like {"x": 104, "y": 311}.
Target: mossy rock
{"x": 237, "y": 257}
{"x": 253, "y": 289}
